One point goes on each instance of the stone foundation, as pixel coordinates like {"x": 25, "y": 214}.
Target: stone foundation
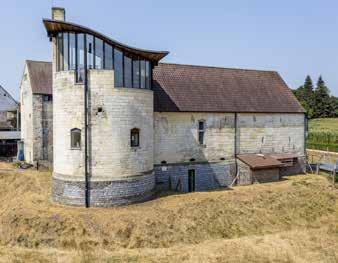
{"x": 104, "y": 193}
{"x": 208, "y": 176}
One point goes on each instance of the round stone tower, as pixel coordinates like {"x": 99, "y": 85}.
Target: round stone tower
{"x": 113, "y": 164}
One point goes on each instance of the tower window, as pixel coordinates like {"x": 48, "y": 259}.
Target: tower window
{"x": 75, "y": 138}
{"x": 135, "y": 137}
{"x": 201, "y": 132}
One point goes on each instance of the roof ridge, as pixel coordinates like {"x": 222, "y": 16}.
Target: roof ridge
{"x": 38, "y": 61}
{"x": 218, "y": 67}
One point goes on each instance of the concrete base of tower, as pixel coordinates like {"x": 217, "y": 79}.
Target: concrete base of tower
{"x": 104, "y": 193}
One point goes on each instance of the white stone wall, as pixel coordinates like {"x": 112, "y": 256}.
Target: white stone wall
{"x": 68, "y": 113}
{"x": 176, "y": 135}
{"x": 271, "y": 133}
{"x": 122, "y": 110}
{"x": 26, "y": 100}
{"x": 111, "y": 157}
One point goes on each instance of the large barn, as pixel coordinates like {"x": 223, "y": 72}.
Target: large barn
{"x": 126, "y": 125}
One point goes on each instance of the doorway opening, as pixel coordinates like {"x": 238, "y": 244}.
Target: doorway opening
{"x": 191, "y": 180}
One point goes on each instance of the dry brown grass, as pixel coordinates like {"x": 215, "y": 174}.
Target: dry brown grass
{"x": 295, "y": 220}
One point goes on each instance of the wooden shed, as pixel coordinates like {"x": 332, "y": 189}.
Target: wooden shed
{"x": 258, "y": 168}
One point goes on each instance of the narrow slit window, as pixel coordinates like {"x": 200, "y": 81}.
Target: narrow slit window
{"x": 135, "y": 137}
{"x": 75, "y": 138}
{"x": 201, "y": 132}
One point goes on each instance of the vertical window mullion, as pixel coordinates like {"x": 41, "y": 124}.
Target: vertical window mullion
{"x": 68, "y": 52}
{"x": 76, "y": 55}
{"x": 123, "y": 70}
{"x": 94, "y": 53}
{"x": 113, "y": 51}
{"x": 132, "y": 73}
{"x": 104, "y": 56}
{"x": 139, "y": 73}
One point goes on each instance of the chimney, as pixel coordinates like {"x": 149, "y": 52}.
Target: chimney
{"x": 58, "y": 13}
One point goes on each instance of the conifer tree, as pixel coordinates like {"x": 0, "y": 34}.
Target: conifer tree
{"x": 323, "y": 107}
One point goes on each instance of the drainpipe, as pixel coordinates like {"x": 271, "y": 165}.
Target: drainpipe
{"x": 86, "y": 123}
{"x": 306, "y": 129}
{"x": 235, "y": 145}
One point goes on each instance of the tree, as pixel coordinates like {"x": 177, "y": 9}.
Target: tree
{"x": 305, "y": 95}
{"x": 323, "y": 104}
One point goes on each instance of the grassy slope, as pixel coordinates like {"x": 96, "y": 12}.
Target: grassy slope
{"x": 324, "y": 125}
{"x": 291, "y": 221}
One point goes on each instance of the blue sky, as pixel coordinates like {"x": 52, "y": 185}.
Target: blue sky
{"x": 295, "y": 38}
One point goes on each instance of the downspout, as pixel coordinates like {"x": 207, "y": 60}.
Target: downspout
{"x": 235, "y": 145}
{"x": 86, "y": 123}
{"x": 306, "y": 130}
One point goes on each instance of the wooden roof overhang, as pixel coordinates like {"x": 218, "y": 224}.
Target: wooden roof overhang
{"x": 55, "y": 26}
{"x": 259, "y": 161}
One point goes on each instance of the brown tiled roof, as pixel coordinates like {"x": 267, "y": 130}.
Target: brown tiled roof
{"x": 284, "y": 156}
{"x": 41, "y": 76}
{"x": 210, "y": 89}
{"x": 260, "y": 161}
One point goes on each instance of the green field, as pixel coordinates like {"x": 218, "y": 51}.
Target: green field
{"x": 323, "y": 134}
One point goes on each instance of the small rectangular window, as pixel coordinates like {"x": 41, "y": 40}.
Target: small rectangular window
{"x": 135, "y": 137}
{"x": 118, "y": 68}
{"x": 98, "y": 53}
{"x": 201, "y": 132}
{"x": 108, "y": 56}
{"x": 75, "y": 138}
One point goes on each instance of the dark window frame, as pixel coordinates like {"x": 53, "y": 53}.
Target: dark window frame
{"x": 201, "y": 132}
{"x": 135, "y": 142}
{"x": 73, "y": 141}
{"x": 65, "y": 42}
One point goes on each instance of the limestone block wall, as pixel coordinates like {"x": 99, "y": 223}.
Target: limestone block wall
{"x": 176, "y": 137}
{"x": 267, "y": 133}
{"x": 42, "y": 128}
{"x": 37, "y": 127}
{"x": 68, "y": 113}
{"x": 47, "y": 126}
{"x": 119, "y": 173}
{"x": 26, "y": 101}
{"x": 114, "y": 112}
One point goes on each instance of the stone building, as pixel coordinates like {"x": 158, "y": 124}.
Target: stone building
{"x": 125, "y": 125}
{"x": 9, "y": 124}
{"x": 37, "y": 112}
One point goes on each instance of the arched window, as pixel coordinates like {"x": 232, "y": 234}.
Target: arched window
{"x": 135, "y": 137}
{"x": 75, "y": 138}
